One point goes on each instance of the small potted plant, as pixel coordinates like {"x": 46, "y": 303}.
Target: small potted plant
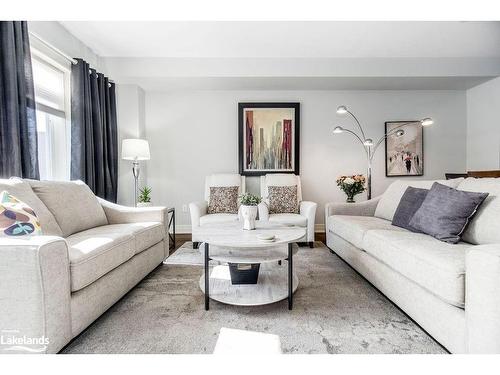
{"x": 249, "y": 204}
{"x": 144, "y": 197}
{"x": 351, "y": 185}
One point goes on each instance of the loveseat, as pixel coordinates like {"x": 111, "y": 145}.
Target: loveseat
{"x": 91, "y": 253}
{"x": 451, "y": 290}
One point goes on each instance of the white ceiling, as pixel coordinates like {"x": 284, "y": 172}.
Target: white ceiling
{"x": 305, "y": 83}
{"x": 289, "y": 39}
{"x": 293, "y": 55}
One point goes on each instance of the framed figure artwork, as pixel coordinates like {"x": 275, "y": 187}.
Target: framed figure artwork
{"x": 404, "y": 149}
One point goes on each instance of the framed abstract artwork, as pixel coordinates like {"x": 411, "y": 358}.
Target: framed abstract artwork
{"x": 269, "y": 138}
{"x": 404, "y": 149}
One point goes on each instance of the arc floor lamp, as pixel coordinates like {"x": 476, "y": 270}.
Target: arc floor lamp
{"x": 135, "y": 150}
{"x": 368, "y": 144}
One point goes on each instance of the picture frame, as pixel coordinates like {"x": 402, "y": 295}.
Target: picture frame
{"x": 268, "y": 138}
{"x": 404, "y": 154}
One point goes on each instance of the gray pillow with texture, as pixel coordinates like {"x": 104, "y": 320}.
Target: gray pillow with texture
{"x": 410, "y": 202}
{"x": 445, "y": 212}
{"x": 283, "y": 200}
{"x": 223, "y": 200}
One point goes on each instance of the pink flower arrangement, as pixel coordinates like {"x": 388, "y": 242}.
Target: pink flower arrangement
{"x": 351, "y": 185}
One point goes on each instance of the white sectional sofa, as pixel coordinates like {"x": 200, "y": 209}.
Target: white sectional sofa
{"x": 92, "y": 252}
{"x": 452, "y": 291}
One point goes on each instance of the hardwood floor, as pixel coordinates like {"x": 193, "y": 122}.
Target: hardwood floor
{"x": 180, "y": 238}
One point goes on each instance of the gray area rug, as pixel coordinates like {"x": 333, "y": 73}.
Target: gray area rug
{"x": 187, "y": 256}
{"x": 335, "y": 311}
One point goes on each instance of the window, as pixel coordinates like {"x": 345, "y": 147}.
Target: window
{"x": 52, "y": 117}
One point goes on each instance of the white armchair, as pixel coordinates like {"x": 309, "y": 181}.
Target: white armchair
{"x": 307, "y": 210}
{"x": 198, "y": 210}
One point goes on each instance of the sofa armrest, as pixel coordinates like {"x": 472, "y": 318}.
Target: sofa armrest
{"x": 197, "y": 210}
{"x": 366, "y": 208}
{"x": 308, "y": 209}
{"x": 34, "y": 293}
{"x": 117, "y": 214}
{"x": 482, "y": 299}
{"x": 263, "y": 211}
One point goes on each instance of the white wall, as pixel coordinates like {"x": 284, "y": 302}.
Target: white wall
{"x": 483, "y": 126}
{"x": 130, "y": 104}
{"x": 194, "y": 133}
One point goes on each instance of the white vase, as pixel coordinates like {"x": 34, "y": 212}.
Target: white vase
{"x": 144, "y": 204}
{"x": 249, "y": 214}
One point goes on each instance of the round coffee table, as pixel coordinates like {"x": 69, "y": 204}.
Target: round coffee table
{"x": 229, "y": 243}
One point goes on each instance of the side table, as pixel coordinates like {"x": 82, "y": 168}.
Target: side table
{"x": 171, "y": 226}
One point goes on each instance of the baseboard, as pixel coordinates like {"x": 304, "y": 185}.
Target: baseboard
{"x": 319, "y": 228}
{"x": 186, "y": 229}
{"x": 183, "y": 229}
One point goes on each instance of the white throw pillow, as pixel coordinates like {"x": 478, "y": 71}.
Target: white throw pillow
{"x": 484, "y": 227}
{"x": 390, "y": 199}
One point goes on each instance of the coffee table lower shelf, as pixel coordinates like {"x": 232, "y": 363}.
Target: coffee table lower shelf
{"x": 272, "y": 285}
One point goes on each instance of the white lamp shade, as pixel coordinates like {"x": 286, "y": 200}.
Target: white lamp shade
{"x": 135, "y": 149}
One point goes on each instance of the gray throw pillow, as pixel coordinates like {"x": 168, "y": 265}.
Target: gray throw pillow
{"x": 283, "y": 200}
{"x": 223, "y": 200}
{"x": 445, "y": 212}
{"x": 410, "y": 202}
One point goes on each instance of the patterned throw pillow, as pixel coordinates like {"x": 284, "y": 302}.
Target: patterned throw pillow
{"x": 17, "y": 218}
{"x": 223, "y": 200}
{"x": 283, "y": 200}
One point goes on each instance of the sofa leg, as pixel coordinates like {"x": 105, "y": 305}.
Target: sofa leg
{"x": 311, "y": 244}
{"x": 196, "y": 245}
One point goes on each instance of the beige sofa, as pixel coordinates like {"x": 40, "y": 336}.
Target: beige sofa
{"x": 452, "y": 291}
{"x": 92, "y": 252}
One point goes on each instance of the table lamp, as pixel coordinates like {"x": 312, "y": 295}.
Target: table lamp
{"x": 135, "y": 150}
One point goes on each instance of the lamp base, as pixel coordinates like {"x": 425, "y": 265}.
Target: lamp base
{"x": 136, "y": 171}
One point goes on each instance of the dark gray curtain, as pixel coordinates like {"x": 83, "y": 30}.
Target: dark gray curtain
{"x": 18, "y": 137}
{"x": 94, "y": 139}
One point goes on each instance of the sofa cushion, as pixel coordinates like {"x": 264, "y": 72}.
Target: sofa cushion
{"x": 389, "y": 201}
{"x": 145, "y": 234}
{"x": 437, "y": 266}
{"x": 354, "y": 228}
{"x": 22, "y": 191}
{"x": 289, "y": 219}
{"x": 95, "y": 252}
{"x": 484, "y": 228}
{"x": 218, "y": 218}
{"x": 445, "y": 212}
{"x": 72, "y": 203}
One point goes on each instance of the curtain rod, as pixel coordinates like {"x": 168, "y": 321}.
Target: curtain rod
{"x": 55, "y": 49}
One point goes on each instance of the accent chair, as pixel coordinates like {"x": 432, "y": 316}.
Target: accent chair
{"x": 199, "y": 210}
{"x": 306, "y": 212}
